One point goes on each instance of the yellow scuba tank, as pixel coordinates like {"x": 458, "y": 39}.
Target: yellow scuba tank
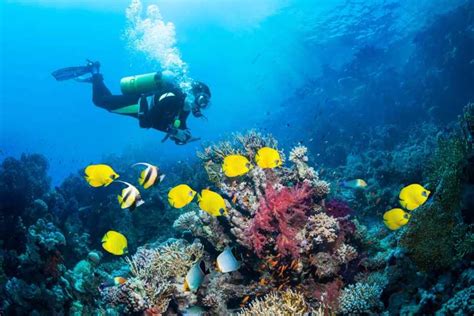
{"x": 141, "y": 84}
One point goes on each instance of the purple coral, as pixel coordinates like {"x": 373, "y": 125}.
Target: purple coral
{"x": 281, "y": 213}
{"x": 337, "y": 208}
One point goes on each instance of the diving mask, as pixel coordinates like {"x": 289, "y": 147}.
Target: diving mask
{"x": 202, "y": 100}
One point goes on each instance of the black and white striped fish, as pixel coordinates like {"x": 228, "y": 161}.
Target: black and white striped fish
{"x": 130, "y": 197}
{"x": 149, "y": 176}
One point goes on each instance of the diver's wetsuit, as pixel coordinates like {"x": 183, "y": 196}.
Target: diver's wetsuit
{"x": 166, "y": 105}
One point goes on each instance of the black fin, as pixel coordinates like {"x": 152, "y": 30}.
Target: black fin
{"x": 71, "y": 72}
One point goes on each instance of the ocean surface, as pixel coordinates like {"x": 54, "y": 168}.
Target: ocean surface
{"x": 354, "y": 100}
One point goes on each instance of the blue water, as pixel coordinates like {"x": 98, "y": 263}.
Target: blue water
{"x": 253, "y": 56}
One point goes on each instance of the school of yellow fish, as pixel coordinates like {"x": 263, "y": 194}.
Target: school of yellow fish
{"x": 410, "y": 198}
{"x": 102, "y": 175}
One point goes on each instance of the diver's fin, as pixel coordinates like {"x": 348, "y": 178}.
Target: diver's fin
{"x": 70, "y": 72}
{"x": 75, "y": 72}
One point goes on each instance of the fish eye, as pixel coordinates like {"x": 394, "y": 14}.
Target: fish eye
{"x": 221, "y": 211}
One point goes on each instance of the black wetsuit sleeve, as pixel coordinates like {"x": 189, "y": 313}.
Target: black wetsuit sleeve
{"x": 102, "y": 97}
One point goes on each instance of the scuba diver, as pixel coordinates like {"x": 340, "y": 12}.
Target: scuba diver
{"x": 154, "y": 99}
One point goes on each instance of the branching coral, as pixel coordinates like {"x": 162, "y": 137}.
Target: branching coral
{"x": 283, "y": 213}
{"x": 360, "y": 298}
{"x": 321, "y": 228}
{"x": 202, "y": 225}
{"x": 285, "y": 303}
{"x": 155, "y": 272}
{"x": 345, "y": 253}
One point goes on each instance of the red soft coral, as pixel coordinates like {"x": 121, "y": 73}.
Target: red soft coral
{"x": 282, "y": 213}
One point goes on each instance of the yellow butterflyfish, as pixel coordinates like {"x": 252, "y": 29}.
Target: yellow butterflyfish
{"x": 181, "y": 195}
{"x": 413, "y": 196}
{"x": 100, "y": 175}
{"x": 396, "y": 218}
{"x": 268, "y": 158}
{"x": 115, "y": 243}
{"x": 212, "y": 203}
{"x": 235, "y": 165}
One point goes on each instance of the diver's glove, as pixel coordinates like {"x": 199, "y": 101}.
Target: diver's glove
{"x": 179, "y": 136}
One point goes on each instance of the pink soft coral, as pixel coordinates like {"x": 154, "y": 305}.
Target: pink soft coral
{"x": 281, "y": 214}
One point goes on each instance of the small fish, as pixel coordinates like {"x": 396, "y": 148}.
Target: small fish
{"x": 99, "y": 175}
{"x": 119, "y": 280}
{"x": 226, "y": 262}
{"x": 149, "y": 176}
{"x": 245, "y": 300}
{"x": 115, "y": 243}
{"x": 181, "y": 195}
{"x": 234, "y": 199}
{"x": 112, "y": 282}
{"x": 413, "y": 196}
{"x": 212, "y": 203}
{"x": 130, "y": 197}
{"x": 235, "y": 165}
{"x": 195, "y": 277}
{"x": 268, "y": 158}
{"x": 396, "y": 218}
{"x": 354, "y": 184}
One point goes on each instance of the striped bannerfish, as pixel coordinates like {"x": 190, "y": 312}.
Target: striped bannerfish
{"x": 149, "y": 176}
{"x": 130, "y": 197}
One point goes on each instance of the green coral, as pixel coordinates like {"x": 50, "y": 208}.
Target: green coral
{"x": 431, "y": 236}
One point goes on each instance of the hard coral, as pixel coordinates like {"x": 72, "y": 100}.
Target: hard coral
{"x": 284, "y": 303}
{"x": 282, "y": 212}
{"x": 322, "y": 228}
{"x": 360, "y": 298}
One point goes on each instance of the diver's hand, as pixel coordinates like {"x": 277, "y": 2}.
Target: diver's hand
{"x": 180, "y": 136}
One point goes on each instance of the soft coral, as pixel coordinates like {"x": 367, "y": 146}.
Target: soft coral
{"x": 283, "y": 213}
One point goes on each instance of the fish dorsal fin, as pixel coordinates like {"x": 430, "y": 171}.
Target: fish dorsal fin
{"x": 126, "y": 183}
{"x": 142, "y": 164}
